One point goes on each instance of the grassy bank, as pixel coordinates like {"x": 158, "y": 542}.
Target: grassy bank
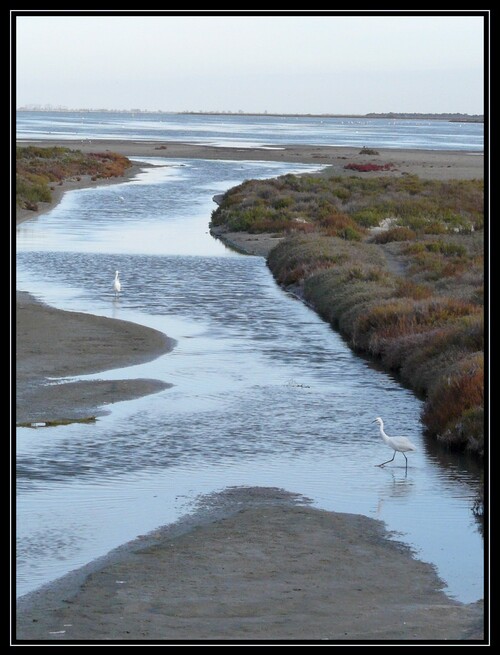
{"x": 38, "y": 170}
{"x": 396, "y": 265}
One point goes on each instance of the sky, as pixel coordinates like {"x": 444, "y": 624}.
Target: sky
{"x": 279, "y": 64}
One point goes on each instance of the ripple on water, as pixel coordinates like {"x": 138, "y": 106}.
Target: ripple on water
{"x": 264, "y": 394}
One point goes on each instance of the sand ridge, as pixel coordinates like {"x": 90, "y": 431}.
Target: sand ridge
{"x": 254, "y": 564}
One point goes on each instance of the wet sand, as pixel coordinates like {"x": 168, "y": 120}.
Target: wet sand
{"x": 251, "y": 564}
{"x": 429, "y": 164}
{"x": 51, "y": 343}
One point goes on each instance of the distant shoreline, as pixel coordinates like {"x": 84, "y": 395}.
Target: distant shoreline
{"x": 446, "y": 116}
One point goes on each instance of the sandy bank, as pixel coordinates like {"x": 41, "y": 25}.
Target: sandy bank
{"x": 429, "y": 164}
{"x": 247, "y": 243}
{"x": 51, "y": 343}
{"x": 253, "y": 564}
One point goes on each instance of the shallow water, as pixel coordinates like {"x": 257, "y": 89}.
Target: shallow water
{"x": 253, "y": 131}
{"x": 265, "y": 393}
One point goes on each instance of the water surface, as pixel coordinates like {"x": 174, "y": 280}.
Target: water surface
{"x": 254, "y": 131}
{"x": 265, "y": 393}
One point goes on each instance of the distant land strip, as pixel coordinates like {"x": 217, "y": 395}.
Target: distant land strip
{"x": 454, "y": 117}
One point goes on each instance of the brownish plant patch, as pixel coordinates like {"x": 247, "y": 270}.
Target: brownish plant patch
{"x": 394, "y": 234}
{"x": 422, "y": 317}
{"x": 39, "y": 168}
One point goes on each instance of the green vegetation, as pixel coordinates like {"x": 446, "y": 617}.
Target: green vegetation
{"x": 55, "y": 422}
{"x": 292, "y": 203}
{"x": 38, "y": 169}
{"x": 409, "y": 293}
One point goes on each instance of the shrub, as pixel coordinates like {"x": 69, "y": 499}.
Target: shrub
{"x": 434, "y": 227}
{"x": 349, "y": 234}
{"x": 446, "y": 249}
{"x": 38, "y": 167}
{"x": 467, "y": 431}
{"x": 341, "y": 225}
{"x": 28, "y": 193}
{"x": 412, "y": 184}
{"x": 394, "y": 234}
{"x": 368, "y": 168}
{"x": 284, "y": 201}
{"x": 370, "y": 216}
{"x": 423, "y": 319}
{"x": 454, "y": 394}
{"x": 342, "y": 193}
{"x": 408, "y": 289}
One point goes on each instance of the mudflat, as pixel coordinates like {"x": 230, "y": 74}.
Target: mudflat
{"x": 253, "y": 564}
{"x": 51, "y": 343}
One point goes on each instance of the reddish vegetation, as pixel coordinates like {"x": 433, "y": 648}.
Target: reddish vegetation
{"x": 38, "y": 169}
{"x": 411, "y": 296}
{"x": 368, "y": 168}
{"x": 109, "y": 164}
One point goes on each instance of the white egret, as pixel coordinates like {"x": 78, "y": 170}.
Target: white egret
{"x": 398, "y": 444}
{"x": 117, "y": 285}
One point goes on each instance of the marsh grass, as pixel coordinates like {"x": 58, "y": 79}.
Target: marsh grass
{"x": 424, "y": 206}
{"x": 422, "y": 318}
{"x": 39, "y": 168}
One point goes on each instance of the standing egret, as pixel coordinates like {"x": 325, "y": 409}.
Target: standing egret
{"x": 117, "y": 285}
{"x": 398, "y": 444}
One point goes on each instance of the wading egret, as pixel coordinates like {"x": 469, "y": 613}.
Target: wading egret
{"x": 398, "y": 444}
{"x": 116, "y": 284}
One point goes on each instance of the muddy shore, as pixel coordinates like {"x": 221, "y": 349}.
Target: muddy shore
{"x": 253, "y": 564}
{"x": 51, "y": 343}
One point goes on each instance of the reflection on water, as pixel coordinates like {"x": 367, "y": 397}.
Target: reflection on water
{"x": 265, "y": 393}
{"x": 269, "y": 132}
{"x": 456, "y": 463}
{"x": 398, "y": 487}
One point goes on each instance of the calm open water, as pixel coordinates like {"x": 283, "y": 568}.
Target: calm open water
{"x": 265, "y": 393}
{"x": 253, "y": 131}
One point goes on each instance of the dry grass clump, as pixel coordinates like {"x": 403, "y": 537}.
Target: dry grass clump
{"x": 395, "y": 234}
{"x": 455, "y": 404}
{"x": 368, "y": 168}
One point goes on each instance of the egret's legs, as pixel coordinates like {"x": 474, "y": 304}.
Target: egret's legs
{"x": 389, "y": 460}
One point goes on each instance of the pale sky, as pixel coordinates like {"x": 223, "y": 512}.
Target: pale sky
{"x": 288, "y": 64}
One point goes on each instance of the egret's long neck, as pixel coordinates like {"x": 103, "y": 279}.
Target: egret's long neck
{"x": 384, "y": 436}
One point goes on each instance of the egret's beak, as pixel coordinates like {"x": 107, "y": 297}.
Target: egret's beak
{"x": 374, "y": 421}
